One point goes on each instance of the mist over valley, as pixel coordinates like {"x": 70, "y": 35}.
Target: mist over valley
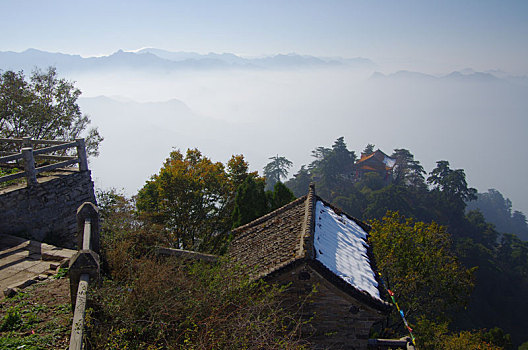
{"x": 148, "y": 102}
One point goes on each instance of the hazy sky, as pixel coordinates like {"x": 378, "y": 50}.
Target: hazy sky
{"x": 432, "y": 120}
{"x": 435, "y": 35}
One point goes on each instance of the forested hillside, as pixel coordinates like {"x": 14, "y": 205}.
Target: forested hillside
{"x": 460, "y": 281}
{"x": 498, "y": 211}
{"x": 498, "y": 261}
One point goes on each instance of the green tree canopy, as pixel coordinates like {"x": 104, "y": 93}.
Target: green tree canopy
{"x": 300, "y": 182}
{"x": 451, "y": 182}
{"x": 281, "y": 195}
{"x": 250, "y": 201}
{"x": 498, "y": 211}
{"x": 43, "y": 107}
{"x": 333, "y": 162}
{"x": 332, "y": 167}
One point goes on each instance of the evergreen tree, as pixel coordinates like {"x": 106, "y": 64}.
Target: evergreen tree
{"x": 275, "y": 170}
{"x": 250, "y": 202}
{"x": 407, "y": 170}
{"x": 332, "y": 168}
{"x": 282, "y": 195}
{"x": 333, "y": 162}
{"x": 369, "y": 149}
{"x": 498, "y": 210}
{"x": 300, "y": 182}
{"x": 450, "y": 191}
{"x": 519, "y": 225}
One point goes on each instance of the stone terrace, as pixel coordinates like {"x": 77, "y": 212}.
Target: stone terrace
{"x": 24, "y": 262}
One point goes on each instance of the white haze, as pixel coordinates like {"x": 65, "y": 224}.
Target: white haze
{"x": 477, "y": 125}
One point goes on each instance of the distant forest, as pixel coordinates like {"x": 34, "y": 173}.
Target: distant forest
{"x": 498, "y": 211}
{"x": 486, "y": 236}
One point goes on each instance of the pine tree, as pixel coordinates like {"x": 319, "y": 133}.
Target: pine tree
{"x": 275, "y": 170}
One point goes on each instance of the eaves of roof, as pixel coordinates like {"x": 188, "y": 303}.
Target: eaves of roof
{"x": 305, "y": 253}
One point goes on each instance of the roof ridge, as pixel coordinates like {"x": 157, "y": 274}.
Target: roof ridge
{"x": 307, "y": 233}
{"x": 373, "y": 154}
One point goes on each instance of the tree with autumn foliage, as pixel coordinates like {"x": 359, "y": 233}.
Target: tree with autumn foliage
{"x": 417, "y": 263}
{"x": 190, "y": 198}
{"x": 238, "y": 171}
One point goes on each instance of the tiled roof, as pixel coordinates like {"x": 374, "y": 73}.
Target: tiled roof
{"x": 379, "y": 157}
{"x": 272, "y": 241}
{"x": 285, "y": 237}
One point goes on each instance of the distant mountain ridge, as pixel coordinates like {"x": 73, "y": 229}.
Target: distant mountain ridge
{"x": 465, "y": 75}
{"x": 162, "y": 60}
{"x": 158, "y": 60}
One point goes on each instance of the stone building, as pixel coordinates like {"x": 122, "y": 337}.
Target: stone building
{"x": 310, "y": 243}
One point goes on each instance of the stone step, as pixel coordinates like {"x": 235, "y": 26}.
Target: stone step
{"x": 24, "y": 262}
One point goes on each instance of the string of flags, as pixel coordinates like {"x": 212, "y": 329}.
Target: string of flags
{"x": 391, "y": 293}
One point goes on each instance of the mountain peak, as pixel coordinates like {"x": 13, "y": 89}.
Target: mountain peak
{"x": 153, "y": 58}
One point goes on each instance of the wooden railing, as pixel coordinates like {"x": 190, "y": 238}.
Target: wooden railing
{"x": 28, "y": 154}
{"x": 84, "y": 268}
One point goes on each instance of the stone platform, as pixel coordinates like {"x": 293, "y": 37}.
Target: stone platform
{"x": 24, "y": 262}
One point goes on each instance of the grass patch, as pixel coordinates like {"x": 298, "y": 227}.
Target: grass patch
{"x": 38, "y": 318}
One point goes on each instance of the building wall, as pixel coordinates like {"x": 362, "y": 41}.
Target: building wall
{"x": 47, "y": 211}
{"x": 336, "y": 320}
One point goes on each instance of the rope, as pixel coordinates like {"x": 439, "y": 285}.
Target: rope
{"x": 400, "y": 311}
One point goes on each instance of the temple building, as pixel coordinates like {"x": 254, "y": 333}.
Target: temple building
{"x": 309, "y": 244}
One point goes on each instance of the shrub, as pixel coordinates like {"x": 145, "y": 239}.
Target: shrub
{"x": 11, "y": 320}
{"x": 435, "y": 336}
{"x": 172, "y": 304}
{"x": 148, "y": 303}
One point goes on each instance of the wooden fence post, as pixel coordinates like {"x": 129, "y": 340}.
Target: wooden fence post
{"x": 81, "y": 154}
{"x": 29, "y": 166}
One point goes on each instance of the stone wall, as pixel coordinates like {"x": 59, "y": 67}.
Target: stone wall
{"x": 46, "y": 212}
{"x": 335, "y": 320}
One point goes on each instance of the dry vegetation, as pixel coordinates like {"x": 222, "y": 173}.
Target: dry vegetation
{"x": 148, "y": 302}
